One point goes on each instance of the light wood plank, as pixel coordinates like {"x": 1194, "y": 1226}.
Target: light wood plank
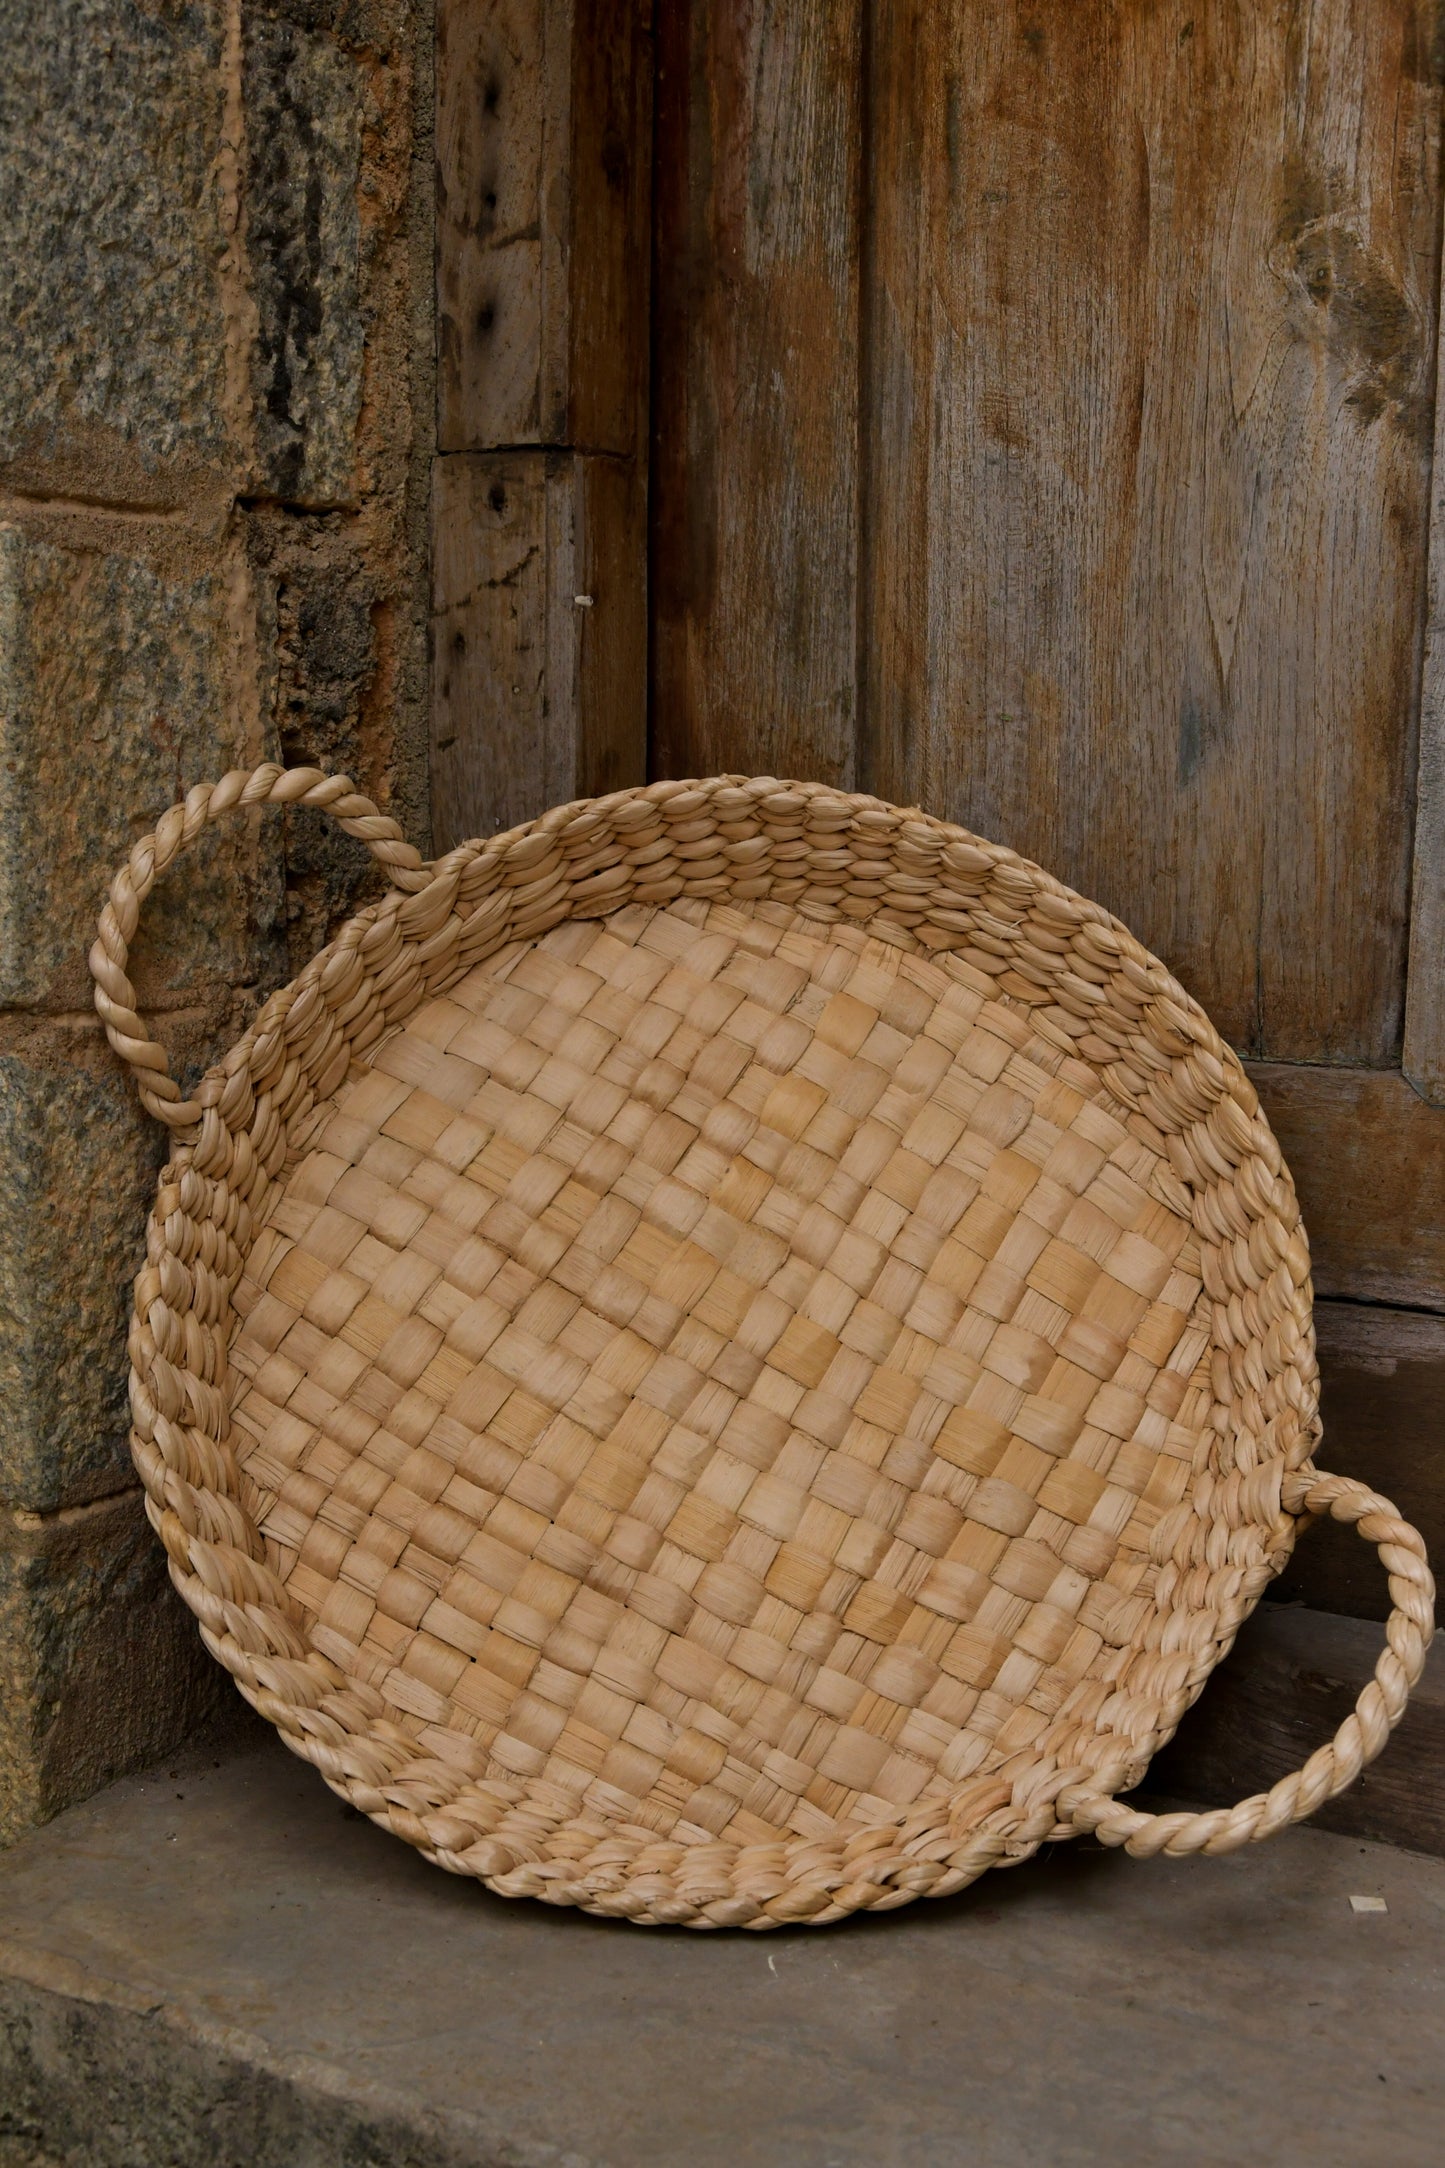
{"x": 1368, "y": 1159}
{"x": 754, "y": 464}
{"x": 539, "y": 695}
{"x": 1150, "y": 332}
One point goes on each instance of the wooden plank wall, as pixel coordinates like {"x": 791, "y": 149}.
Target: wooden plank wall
{"x": 539, "y": 536}
{"x": 1153, "y": 324}
{"x": 1043, "y": 401}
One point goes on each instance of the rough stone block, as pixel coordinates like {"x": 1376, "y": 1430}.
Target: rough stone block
{"x": 187, "y": 286}
{"x": 78, "y": 1161}
{"x": 118, "y": 689}
{"x": 326, "y": 699}
{"x": 303, "y": 159}
{"x": 111, "y": 307}
{"x": 101, "y": 1667}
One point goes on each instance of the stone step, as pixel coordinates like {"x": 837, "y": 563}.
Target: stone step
{"x": 217, "y": 1963}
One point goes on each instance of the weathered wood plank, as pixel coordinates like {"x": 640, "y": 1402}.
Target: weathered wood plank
{"x": 539, "y": 635}
{"x": 599, "y": 549}
{"x": 1150, "y": 327}
{"x": 540, "y": 492}
{"x": 754, "y": 460}
{"x": 1290, "y": 1680}
{"x": 1382, "y": 1395}
{"x": 1423, "y": 1058}
{"x": 543, "y": 217}
{"x": 609, "y": 170}
{"x": 494, "y": 760}
{"x": 1368, "y": 1158}
{"x": 492, "y": 145}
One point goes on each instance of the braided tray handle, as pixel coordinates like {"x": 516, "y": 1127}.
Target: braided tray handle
{"x": 1359, "y": 1739}
{"x": 176, "y": 830}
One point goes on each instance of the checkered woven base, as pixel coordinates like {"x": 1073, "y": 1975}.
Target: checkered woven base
{"x": 731, "y": 1408}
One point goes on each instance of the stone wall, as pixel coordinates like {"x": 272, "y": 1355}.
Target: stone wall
{"x": 215, "y": 434}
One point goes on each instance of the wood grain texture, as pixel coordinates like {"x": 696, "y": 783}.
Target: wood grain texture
{"x": 1149, "y": 328}
{"x": 755, "y": 385}
{"x": 609, "y": 170}
{"x": 1368, "y": 1158}
{"x": 543, "y": 215}
{"x": 538, "y": 697}
{"x": 1291, "y": 1679}
{"x": 492, "y": 142}
{"x": 540, "y": 493}
{"x": 1382, "y": 1390}
{"x": 1423, "y": 1058}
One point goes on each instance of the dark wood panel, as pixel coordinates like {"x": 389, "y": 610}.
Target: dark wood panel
{"x": 539, "y": 635}
{"x": 1382, "y": 1399}
{"x": 1150, "y": 329}
{"x": 755, "y": 381}
{"x": 1289, "y": 1682}
{"x": 609, "y": 172}
{"x": 543, "y": 214}
{"x": 1368, "y": 1159}
{"x": 1423, "y": 1059}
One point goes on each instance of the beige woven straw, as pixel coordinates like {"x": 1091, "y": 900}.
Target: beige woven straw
{"x": 731, "y": 1355}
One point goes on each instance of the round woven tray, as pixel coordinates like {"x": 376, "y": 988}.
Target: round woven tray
{"x": 730, "y": 1355}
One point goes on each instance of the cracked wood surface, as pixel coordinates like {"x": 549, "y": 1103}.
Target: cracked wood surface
{"x": 538, "y": 635}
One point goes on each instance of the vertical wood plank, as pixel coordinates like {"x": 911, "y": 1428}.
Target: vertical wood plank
{"x": 540, "y": 493}
{"x": 608, "y": 179}
{"x": 1151, "y": 327}
{"x": 543, "y": 222}
{"x": 755, "y": 388}
{"x": 539, "y": 635}
{"x": 495, "y": 761}
{"x": 494, "y": 139}
{"x": 599, "y": 551}
{"x": 1423, "y": 1056}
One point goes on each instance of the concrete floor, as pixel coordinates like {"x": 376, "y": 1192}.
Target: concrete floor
{"x": 219, "y": 1963}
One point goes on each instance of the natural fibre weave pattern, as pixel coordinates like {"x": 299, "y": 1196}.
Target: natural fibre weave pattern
{"x": 735, "y": 1355}
{"x": 715, "y": 1371}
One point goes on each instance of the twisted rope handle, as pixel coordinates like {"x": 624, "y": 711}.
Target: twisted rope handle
{"x": 1360, "y": 1737}
{"x": 175, "y": 831}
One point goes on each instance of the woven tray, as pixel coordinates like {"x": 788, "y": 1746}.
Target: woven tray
{"x": 731, "y": 1355}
